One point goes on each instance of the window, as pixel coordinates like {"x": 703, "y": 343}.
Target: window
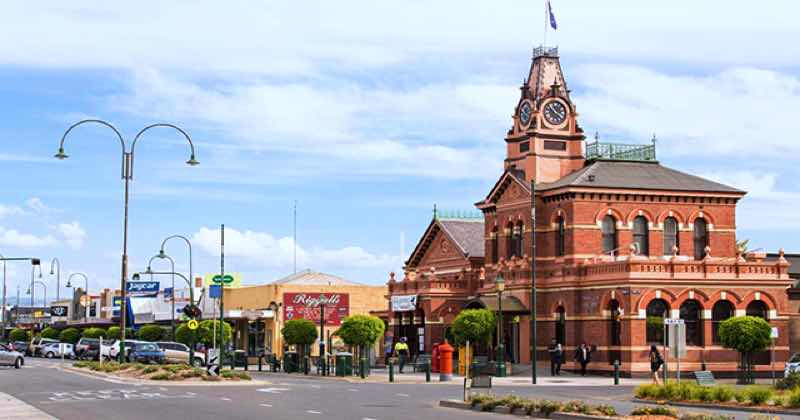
{"x": 657, "y": 310}
{"x": 616, "y": 324}
{"x": 560, "y": 233}
{"x": 640, "y": 235}
{"x": 700, "y": 238}
{"x": 494, "y": 245}
{"x": 524, "y": 147}
{"x": 670, "y": 235}
{"x": 561, "y": 325}
{"x": 609, "y": 230}
{"x": 722, "y": 310}
{"x": 690, "y": 314}
{"x": 510, "y": 241}
{"x": 757, "y": 308}
{"x": 519, "y": 234}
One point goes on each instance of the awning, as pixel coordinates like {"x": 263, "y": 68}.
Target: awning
{"x": 510, "y": 304}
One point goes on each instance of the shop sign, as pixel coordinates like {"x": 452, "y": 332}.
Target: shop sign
{"x": 404, "y": 303}
{"x": 58, "y": 311}
{"x": 308, "y": 306}
{"x": 142, "y": 288}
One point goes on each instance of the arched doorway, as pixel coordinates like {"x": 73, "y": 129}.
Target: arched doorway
{"x": 657, "y": 310}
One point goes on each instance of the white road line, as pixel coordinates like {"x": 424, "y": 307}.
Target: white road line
{"x": 313, "y": 412}
{"x": 352, "y": 390}
{"x": 225, "y": 399}
{"x": 368, "y": 418}
{"x": 266, "y": 405}
{"x": 402, "y": 395}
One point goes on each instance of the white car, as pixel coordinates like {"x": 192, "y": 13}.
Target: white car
{"x": 52, "y": 350}
{"x": 792, "y": 365}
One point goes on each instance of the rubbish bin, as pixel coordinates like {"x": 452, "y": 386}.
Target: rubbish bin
{"x": 344, "y": 364}
{"x": 239, "y": 358}
{"x": 291, "y": 362}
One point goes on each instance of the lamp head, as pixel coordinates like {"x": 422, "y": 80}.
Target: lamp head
{"x": 192, "y": 161}
{"x": 36, "y": 261}
{"x": 52, "y": 272}
{"x": 60, "y": 155}
{"x": 500, "y": 283}
{"x": 69, "y": 284}
{"x": 161, "y": 254}
{"x": 28, "y": 292}
{"x": 149, "y": 270}
{"x": 135, "y": 277}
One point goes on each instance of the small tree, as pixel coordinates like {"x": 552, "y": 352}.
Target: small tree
{"x": 95, "y": 333}
{"x": 473, "y": 326}
{"x": 18, "y": 334}
{"x": 361, "y": 331}
{"x": 299, "y": 332}
{"x": 747, "y": 335}
{"x": 150, "y": 333}
{"x": 69, "y": 335}
{"x": 51, "y": 333}
{"x": 204, "y": 333}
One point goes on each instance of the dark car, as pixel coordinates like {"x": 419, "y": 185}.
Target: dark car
{"x": 89, "y": 348}
{"x": 20, "y": 346}
{"x": 146, "y": 353}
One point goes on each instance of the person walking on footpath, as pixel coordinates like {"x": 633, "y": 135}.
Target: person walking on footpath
{"x": 583, "y": 355}
{"x": 656, "y": 361}
{"x": 401, "y": 350}
{"x": 556, "y": 354}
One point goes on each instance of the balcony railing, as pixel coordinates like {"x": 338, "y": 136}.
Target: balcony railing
{"x": 542, "y": 51}
{"x": 619, "y": 151}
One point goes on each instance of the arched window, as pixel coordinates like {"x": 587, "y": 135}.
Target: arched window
{"x": 670, "y": 235}
{"x": 700, "y": 238}
{"x": 640, "y": 235}
{"x": 495, "y": 244}
{"x": 510, "y": 240}
{"x": 657, "y": 310}
{"x": 561, "y": 325}
{"x": 722, "y": 310}
{"x": 609, "y": 229}
{"x": 616, "y": 323}
{"x": 560, "y": 237}
{"x": 519, "y": 234}
{"x": 757, "y": 308}
{"x": 691, "y": 312}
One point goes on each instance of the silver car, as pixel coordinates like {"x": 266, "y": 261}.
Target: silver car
{"x": 10, "y": 357}
{"x": 55, "y": 350}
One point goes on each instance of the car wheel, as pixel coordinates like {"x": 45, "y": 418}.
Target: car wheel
{"x": 198, "y": 362}
{"x": 18, "y": 363}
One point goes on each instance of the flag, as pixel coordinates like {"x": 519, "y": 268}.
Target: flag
{"x": 552, "y": 16}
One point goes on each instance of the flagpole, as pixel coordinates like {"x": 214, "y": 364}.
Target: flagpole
{"x": 546, "y": 17}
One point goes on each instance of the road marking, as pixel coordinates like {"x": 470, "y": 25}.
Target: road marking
{"x": 225, "y": 399}
{"x": 402, "y": 395}
{"x": 352, "y": 390}
{"x": 313, "y": 412}
{"x": 273, "y": 390}
{"x": 316, "y": 386}
{"x": 368, "y": 418}
{"x": 266, "y": 405}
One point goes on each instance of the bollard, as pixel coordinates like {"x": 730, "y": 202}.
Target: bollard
{"x": 259, "y": 362}
{"x": 616, "y": 372}
{"x": 427, "y": 371}
{"x": 391, "y": 371}
{"x": 233, "y": 361}
{"x": 363, "y": 367}
{"x": 306, "y": 368}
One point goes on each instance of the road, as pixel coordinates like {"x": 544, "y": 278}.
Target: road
{"x": 69, "y": 396}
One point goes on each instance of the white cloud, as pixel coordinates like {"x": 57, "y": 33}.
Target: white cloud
{"x": 72, "y": 233}
{"x": 37, "y": 206}
{"x": 264, "y": 250}
{"x": 10, "y": 211}
{"x": 14, "y": 238}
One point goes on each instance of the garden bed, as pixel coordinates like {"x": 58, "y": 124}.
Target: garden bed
{"x": 176, "y": 372}
{"x": 754, "y": 398}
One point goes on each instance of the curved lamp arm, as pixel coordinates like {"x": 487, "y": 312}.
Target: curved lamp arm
{"x": 62, "y": 155}
{"x": 192, "y": 159}
{"x": 188, "y": 243}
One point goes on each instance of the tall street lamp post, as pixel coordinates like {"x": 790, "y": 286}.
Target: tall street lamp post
{"x": 500, "y": 285}
{"x": 533, "y": 282}
{"x": 33, "y": 280}
{"x": 162, "y": 256}
{"x": 55, "y": 263}
{"x": 188, "y": 245}
{"x": 31, "y": 291}
{"x": 85, "y": 293}
{"x": 322, "y": 333}
{"x": 191, "y": 299}
{"x": 127, "y": 176}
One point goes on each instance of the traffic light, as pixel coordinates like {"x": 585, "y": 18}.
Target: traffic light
{"x": 192, "y": 311}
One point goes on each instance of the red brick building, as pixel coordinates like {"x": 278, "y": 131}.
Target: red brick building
{"x": 621, "y": 242}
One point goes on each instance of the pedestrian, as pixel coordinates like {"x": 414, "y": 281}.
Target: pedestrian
{"x": 656, "y": 361}
{"x": 401, "y": 351}
{"x": 583, "y": 355}
{"x": 556, "y": 354}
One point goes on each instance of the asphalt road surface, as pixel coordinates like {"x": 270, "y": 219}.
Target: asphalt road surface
{"x": 69, "y": 396}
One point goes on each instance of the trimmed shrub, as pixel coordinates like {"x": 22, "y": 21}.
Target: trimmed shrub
{"x": 703, "y": 416}
{"x": 51, "y": 333}
{"x": 646, "y": 391}
{"x": 759, "y": 395}
{"x": 164, "y": 376}
{"x": 95, "y": 333}
{"x": 150, "y": 333}
{"x": 113, "y": 333}
{"x": 790, "y": 382}
{"x": 69, "y": 335}
{"x": 654, "y": 411}
{"x": 794, "y": 399}
{"x": 702, "y": 393}
{"x": 722, "y": 394}
{"x": 18, "y": 334}
{"x": 685, "y": 391}
{"x": 150, "y": 369}
{"x": 740, "y": 395}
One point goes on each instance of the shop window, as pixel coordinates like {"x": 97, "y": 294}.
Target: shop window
{"x": 700, "y": 238}
{"x": 657, "y": 310}
{"x": 609, "y": 229}
{"x": 670, "y": 235}
{"x": 641, "y": 235}
{"x": 690, "y": 313}
{"x": 721, "y": 311}
{"x": 255, "y": 337}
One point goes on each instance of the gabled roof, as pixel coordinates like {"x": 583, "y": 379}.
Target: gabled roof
{"x": 637, "y": 175}
{"x": 466, "y": 234}
{"x": 314, "y": 278}
{"x": 510, "y": 175}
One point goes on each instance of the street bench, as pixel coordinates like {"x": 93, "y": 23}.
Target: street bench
{"x": 420, "y": 362}
{"x": 704, "y": 378}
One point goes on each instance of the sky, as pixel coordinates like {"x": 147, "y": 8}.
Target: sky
{"x": 365, "y": 114}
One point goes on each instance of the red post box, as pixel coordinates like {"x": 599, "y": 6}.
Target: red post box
{"x": 445, "y": 361}
{"x": 435, "y": 358}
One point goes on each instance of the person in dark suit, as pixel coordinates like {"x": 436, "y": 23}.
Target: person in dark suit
{"x": 583, "y": 355}
{"x": 556, "y": 355}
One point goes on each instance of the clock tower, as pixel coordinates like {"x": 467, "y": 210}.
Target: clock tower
{"x": 545, "y": 140}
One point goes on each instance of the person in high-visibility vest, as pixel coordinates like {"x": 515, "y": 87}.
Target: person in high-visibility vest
{"x": 401, "y": 350}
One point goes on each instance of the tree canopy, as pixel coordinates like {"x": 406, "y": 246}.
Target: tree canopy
{"x": 51, "y": 333}
{"x": 18, "y": 334}
{"x": 473, "y": 325}
{"x": 69, "y": 335}
{"x": 95, "y": 333}
{"x": 745, "y": 334}
{"x": 360, "y": 330}
{"x": 299, "y": 331}
{"x": 150, "y": 333}
{"x": 203, "y": 333}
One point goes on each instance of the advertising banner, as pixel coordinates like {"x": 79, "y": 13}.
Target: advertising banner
{"x": 58, "y": 311}
{"x": 142, "y": 288}
{"x": 307, "y": 306}
{"x": 404, "y": 303}
{"x": 236, "y": 280}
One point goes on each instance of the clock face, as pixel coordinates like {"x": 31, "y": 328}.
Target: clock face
{"x": 555, "y": 112}
{"x": 525, "y": 111}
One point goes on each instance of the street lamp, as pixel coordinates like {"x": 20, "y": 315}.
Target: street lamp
{"x": 533, "y": 282}
{"x": 31, "y": 291}
{"x": 85, "y": 292}
{"x": 188, "y": 245}
{"x": 322, "y": 333}
{"x": 33, "y": 279}
{"x": 34, "y": 261}
{"x": 191, "y": 299}
{"x": 161, "y": 255}
{"x": 57, "y": 272}
{"x": 500, "y": 285}
{"x": 127, "y": 176}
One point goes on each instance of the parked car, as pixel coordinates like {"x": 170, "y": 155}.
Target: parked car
{"x": 9, "y": 357}
{"x": 179, "y": 353}
{"x": 52, "y": 350}
{"x": 20, "y": 346}
{"x": 792, "y": 365}
{"x": 112, "y": 351}
{"x": 35, "y": 348}
{"x": 144, "y": 352}
{"x": 89, "y": 348}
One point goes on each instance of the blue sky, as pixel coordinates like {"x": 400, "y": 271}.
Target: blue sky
{"x": 366, "y": 114}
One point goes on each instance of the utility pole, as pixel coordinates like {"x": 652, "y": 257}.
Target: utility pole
{"x": 322, "y": 333}
{"x": 533, "y": 281}
{"x": 294, "y": 235}
{"x": 221, "y": 296}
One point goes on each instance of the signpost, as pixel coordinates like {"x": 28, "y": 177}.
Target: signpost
{"x": 192, "y": 324}
{"x": 774, "y": 336}
{"x": 675, "y": 330}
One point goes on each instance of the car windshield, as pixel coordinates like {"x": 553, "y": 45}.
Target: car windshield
{"x": 795, "y": 358}
{"x": 146, "y": 347}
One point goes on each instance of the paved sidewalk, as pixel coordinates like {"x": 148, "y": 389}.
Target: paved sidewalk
{"x": 12, "y": 408}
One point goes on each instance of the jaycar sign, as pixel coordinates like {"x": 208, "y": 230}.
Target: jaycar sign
{"x": 308, "y": 306}
{"x": 142, "y": 288}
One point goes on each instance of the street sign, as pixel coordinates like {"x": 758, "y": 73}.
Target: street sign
{"x": 677, "y": 340}
{"x": 220, "y": 279}
{"x": 215, "y": 291}
{"x": 670, "y": 321}
{"x": 212, "y": 368}
{"x": 192, "y": 324}
{"x": 774, "y": 332}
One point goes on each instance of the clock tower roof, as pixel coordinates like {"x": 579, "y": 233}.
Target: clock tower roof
{"x": 545, "y": 74}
